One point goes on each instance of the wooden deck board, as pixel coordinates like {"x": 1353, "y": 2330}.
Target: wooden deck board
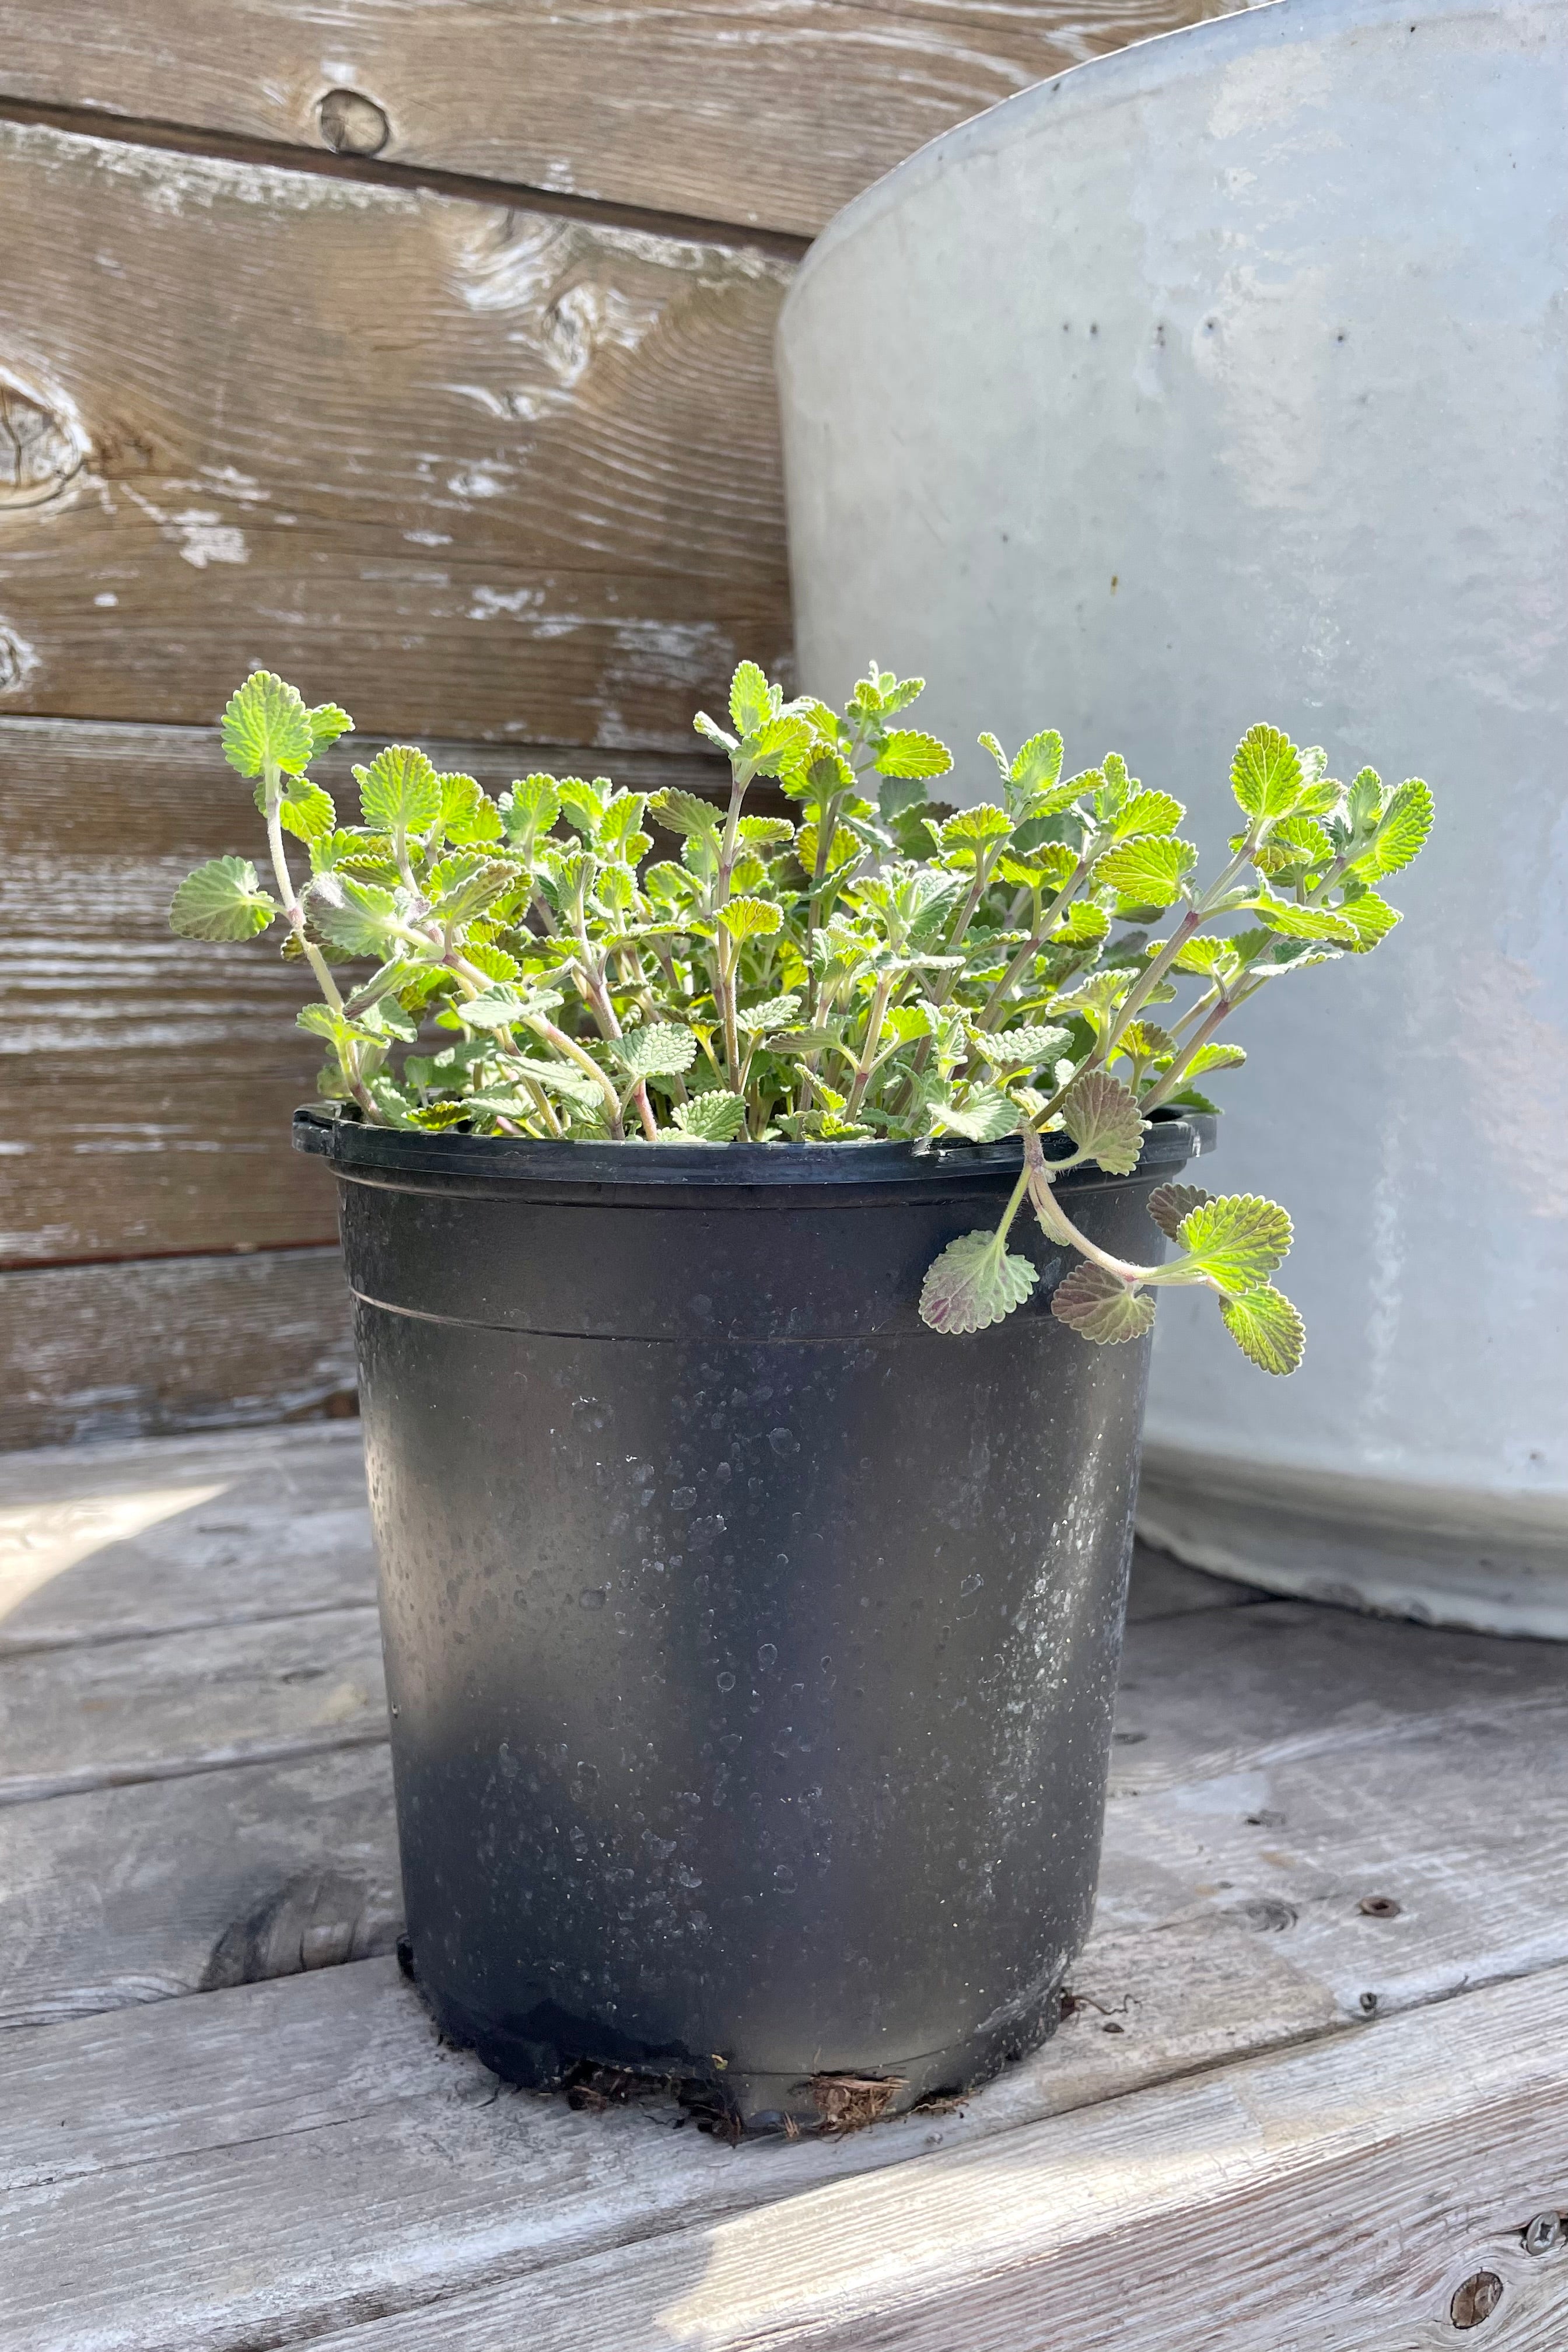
{"x": 1278, "y": 1766}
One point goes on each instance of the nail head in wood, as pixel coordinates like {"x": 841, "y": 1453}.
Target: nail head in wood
{"x": 351, "y": 124}
{"x": 1476, "y": 2299}
{"x": 1379, "y": 1907}
{"x": 1544, "y": 2233}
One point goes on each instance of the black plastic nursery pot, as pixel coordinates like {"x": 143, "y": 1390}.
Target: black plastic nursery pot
{"x": 751, "y": 1648}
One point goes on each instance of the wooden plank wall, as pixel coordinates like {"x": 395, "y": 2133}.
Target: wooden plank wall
{"x": 423, "y": 354}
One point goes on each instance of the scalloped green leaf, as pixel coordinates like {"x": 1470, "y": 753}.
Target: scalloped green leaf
{"x": 222, "y": 900}
{"x": 1402, "y": 831}
{"x": 1266, "y": 1327}
{"x": 716, "y": 1117}
{"x": 751, "y": 918}
{"x": 400, "y": 790}
{"x": 1168, "y": 1204}
{"x": 1038, "y": 763}
{"x": 1238, "y": 1239}
{"x": 975, "y": 828}
{"x": 985, "y": 1116}
{"x": 1149, "y": 813}
{"x": 305, "y": 810}
{"x": 1370, "y": 917}
{"x": 467, "y": 818}
{"x": 751, "y": 699}
{"x": 907, "y": 752}
{"x": 359, "y": 917}
{"x": 684, "y": 812}
{"x": 265, "y": 722}
{"x": 1149, "y": 871}
{"x": 1293, "y": 922}
{"x": 1024, "y": 1048}
{"x": 661, "y": 1050}
{"x": 1099, "y": 1306}
{"x": 775, "y": 1012}
{"x": 1265, "y": 772}
{"x": 974, "y": 1284}
{"x": 1104, "y": 1121}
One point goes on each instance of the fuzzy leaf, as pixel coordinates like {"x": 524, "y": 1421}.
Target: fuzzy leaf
{"x": 305, "y": 811}
{"x": 583, "y": 804}
{"x": 461, "y": 888}
{"x": 493, "y": 961}
{"x": 1149, "y": 870}
{"x": 975, "y": 829}
{"x": 765, "y": 832}
{"x": 661, "y": 1050}
{"x": 357, "y": 916}
{"x": 1370, "y": 917}
{"x": 751, "y": 699}
{"x": 751, "y": 918}
{"x": 1038, "y": 764}
{"x": 1266, "y": 773}
{"x": 1237, "y": 1240}
{"x": 1142, "y": 1040}
{"x": 1401, "y": 834}
{"x": 328, "y": 721}
{"x": 772, "y": 1014}
{"x": 1293, "y": 922}
{"x": 1169, "y": 1204}
{"x": 1216, "y": 959}
{"x": 974, "y": 1284}
{"x": 1299, "y": 841}
{"x": 1215, "y": 1057}
{"x": 680, "y": 812}
{"x": 907, "y": 752}
{"x": 400, "y": 790}
{"x": 1265, "y": 1327}
{"x": 532, "y": 806}
{"x": 266, "y": 722}
{"x": 1105, "y": 1122}
{"x": 1020, "y": 1049}
{"x": 714, "y": 732}
{"x": 222, "y": 900}
{"x": 1155, "y": 813}
{"x": 467, "y": 818}
{"x": 716, "y": 1117}
{"x": 784, "y": 740}
{"x": 1083, "y": 926}
{"x": 1099, "y": 1306}
{"x": 984, "y": 1117}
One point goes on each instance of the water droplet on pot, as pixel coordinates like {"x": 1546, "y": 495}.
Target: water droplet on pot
{"x": 783, "y": 1876}
{"x": 684, "y": 1499}
{"x": 767, "y": 1656}
{"x": 688, "y": 1877}
{"x": 726, "y": 1681}
{"x": 784, "y": 1440}
{"x": 594, "y": 1596}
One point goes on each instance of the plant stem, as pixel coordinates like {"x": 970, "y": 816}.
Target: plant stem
{"x": 272, "y": 789}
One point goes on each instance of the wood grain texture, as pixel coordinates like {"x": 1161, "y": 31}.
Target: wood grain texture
{"x": 164, "y": 1344}
{"x": 1329, "y": 2200}
{"x": 146, "y": 1082}
{"x": 117, "y": 1543}
{"x": 129, "y": 1895}
{"x": 474, "y": 471}
{"x": 1278, "y": 1765}
{"x": 767, "y": 112}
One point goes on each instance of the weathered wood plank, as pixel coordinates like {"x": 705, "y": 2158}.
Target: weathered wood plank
{"x": 107, "y": 1714}
{"x": 134, "y": 1894}
{"x": 743, "y": 111}
{"x": 146, "y": 1082}
{"x": 388, "y": 2176}
{"x": 1331, "y": 2200}
{"x": 474, "y": 471}
{"x": 168, "y": 1535}
{"x": 164, "y": 1344}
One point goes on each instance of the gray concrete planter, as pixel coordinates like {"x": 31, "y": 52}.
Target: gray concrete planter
{"x": 1227, "y": 378}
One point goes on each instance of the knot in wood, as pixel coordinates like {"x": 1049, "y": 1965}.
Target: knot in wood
{"x": 40, "y": 451}
{"x": 351, "y": 124}
{"x": 1476, "y": 2299}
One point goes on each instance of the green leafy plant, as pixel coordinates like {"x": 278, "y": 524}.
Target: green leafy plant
{"x": 874, "y": 965}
